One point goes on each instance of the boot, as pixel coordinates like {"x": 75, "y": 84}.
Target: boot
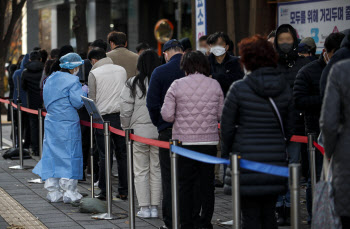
{"x": 287, "y": 214}
{"x": 280, "y": 216}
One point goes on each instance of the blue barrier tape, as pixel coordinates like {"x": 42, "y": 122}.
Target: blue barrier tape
{"x": 264, "y": 168}
{"x": 198, "y": 156}
{"x": 245, "y": 164}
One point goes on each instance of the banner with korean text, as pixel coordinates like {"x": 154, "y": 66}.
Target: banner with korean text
{"x": 201, "y": 20}
{"x": 316, "y": 19}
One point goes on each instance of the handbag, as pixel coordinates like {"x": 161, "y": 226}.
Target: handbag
{"x": 323, "y": 211}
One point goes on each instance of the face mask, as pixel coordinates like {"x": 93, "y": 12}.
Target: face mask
{"x": 326, "y": 57}
{"x": 218, "y": 50}
{"x": 166, "y": 57}
{"x": 285, "y": 47}
{"x": 203, "y": 50}
{"x": 76, "y": 72}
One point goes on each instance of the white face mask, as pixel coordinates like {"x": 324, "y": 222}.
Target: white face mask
{"x": 218, "y": 50}
{"x": 203, "y": 50}
{"x": 76, "y": 72}
{"x": 246, "y": 72}
{"x": 326, "y": 57}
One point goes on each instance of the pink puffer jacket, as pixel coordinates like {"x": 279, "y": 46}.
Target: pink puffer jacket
{"x": 194, "y": 104}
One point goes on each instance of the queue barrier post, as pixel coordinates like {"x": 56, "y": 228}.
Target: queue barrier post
{"x": 174, "y": 186}
{"x": 41, "y": 132}
{"x": 130, "y": 162}
{"x": 107, "y": 141}
{"x": 20, "y": 141}
{"x": 12, "y": 124}
{"x": 92, "y": 157}
{"x": 236, "y": 204}
{"x": 312, "y": 160}
{"x": 294, "y": 186}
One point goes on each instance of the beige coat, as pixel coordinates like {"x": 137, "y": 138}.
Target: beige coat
{"x": 123, "y": 57}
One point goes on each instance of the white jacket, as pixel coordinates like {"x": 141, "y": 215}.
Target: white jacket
{"x": 134, "y": 113}
{"x": 106, "y": 81}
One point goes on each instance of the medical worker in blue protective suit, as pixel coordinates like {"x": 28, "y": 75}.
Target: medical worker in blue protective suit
{"x": 61, "y": 165}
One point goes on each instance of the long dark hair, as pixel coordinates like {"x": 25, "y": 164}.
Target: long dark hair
{"x": 147, "y": 62}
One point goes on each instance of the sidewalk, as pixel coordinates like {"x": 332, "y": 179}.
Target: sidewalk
{"x": 34, "y": 209}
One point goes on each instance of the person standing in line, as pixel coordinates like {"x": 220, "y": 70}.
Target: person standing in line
{"x": 251, "y": 127}
{"x": 120, "y": 55}
{"x": 61, "y": 165}
{"x": 194, "y": 104}
{"x": 335, "y": 127}
{"x": 31, "y": 84}
{"x": 161, "y": 79}
{"x": 106, "y": 81}
{"x": 289, "y": 63}
{"x": 134, "y": 115}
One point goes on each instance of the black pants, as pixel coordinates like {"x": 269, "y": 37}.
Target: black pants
{"x": 164, "y": 159}
{"x": 34, "y": 132}
{"x": 85, "y": 136}
{"x": 259, "y": 212}
{"x": 191, "y": 175}
{"x": 25, "y": 129}
{"x": 120, "y": 153}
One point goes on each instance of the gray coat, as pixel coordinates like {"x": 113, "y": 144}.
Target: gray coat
{"x": 335, "y": 125}
{"x": 134, "y": 113}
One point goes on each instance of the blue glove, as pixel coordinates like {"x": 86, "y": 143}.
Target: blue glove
{"x": 85, "y": 89}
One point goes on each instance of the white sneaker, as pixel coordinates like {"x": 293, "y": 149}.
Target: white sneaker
{"x": 154, "y": 213}
{"x": 144, "y": 213}
{"x": 96, "y": 184}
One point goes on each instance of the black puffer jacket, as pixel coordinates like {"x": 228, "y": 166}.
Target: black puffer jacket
{"x": 341, "y": 54}
{"x": 31, "y": 77}
{"x": 307, "y": 96}
{"x": 335, "y": 126}
{"x": 249, "y": 126}
{"x": 231, "y": 71}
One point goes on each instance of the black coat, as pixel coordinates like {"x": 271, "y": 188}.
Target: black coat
{"x": 249, "y": 126}
{"x": 341, "y": 54}
{"x": 290, "y": 73}
{"x": 31, "y": 77}
{"x": 307, "y": 96}
{"x": 232, "y": 71}
{"x": 335, "y": 126}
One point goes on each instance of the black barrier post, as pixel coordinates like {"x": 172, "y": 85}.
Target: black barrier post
{"x": 92, "y": 157}
{"x": 40, "y": 117}
{"x": 20, "y": 141}
{"x": 107, "y": 138}
{"x": 130, "y": 162}
{"x": 174, "y": 186}
{"x": 294, "y": 187}
{"x": 236, "y": 204}
{"x": 312, "y": 160}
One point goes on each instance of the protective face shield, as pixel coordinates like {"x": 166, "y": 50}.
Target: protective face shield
{"x": 218, "y": 50}
{"x": 286, "y": 47}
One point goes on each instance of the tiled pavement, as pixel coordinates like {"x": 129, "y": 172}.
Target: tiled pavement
{"x": 60, "y": 215}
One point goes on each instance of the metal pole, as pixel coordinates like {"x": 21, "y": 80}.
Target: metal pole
{"x": 236, "y": 204}
{"x": 12, "y": 124}
{"x": 174, "y": 186}
{"x": 294, "y": 187}
{"x": 312, "y": 160}
{"x": 129, "y": 148}
{"x": 92, "y": 157}
{"x": 179, "y": 19}
{"x": 107, "y": 137}
{"x": 40, "y": 117}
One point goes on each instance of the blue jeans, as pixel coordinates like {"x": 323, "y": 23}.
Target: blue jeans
{"x": 293, "y": 149}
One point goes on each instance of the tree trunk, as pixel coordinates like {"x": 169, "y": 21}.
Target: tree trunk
{"x": 79, "y": 26}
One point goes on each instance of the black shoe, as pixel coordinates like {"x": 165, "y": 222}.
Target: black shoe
{"x": 101, "y": 196}
{"x": 287, "y": 215}
{"x": 122, "y": 197}
{"x": 218, "y": 183}
{"x": 280, "y": 216}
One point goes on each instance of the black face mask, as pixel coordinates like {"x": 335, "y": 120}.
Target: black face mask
{"x": 286, "y": 47}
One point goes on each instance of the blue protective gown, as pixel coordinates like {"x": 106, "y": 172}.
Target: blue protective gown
{"x": 62, "y": 149}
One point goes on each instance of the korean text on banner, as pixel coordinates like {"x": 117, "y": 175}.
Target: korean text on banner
{"x": 316, "y": 19}
{"x": 201, "y": 20}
